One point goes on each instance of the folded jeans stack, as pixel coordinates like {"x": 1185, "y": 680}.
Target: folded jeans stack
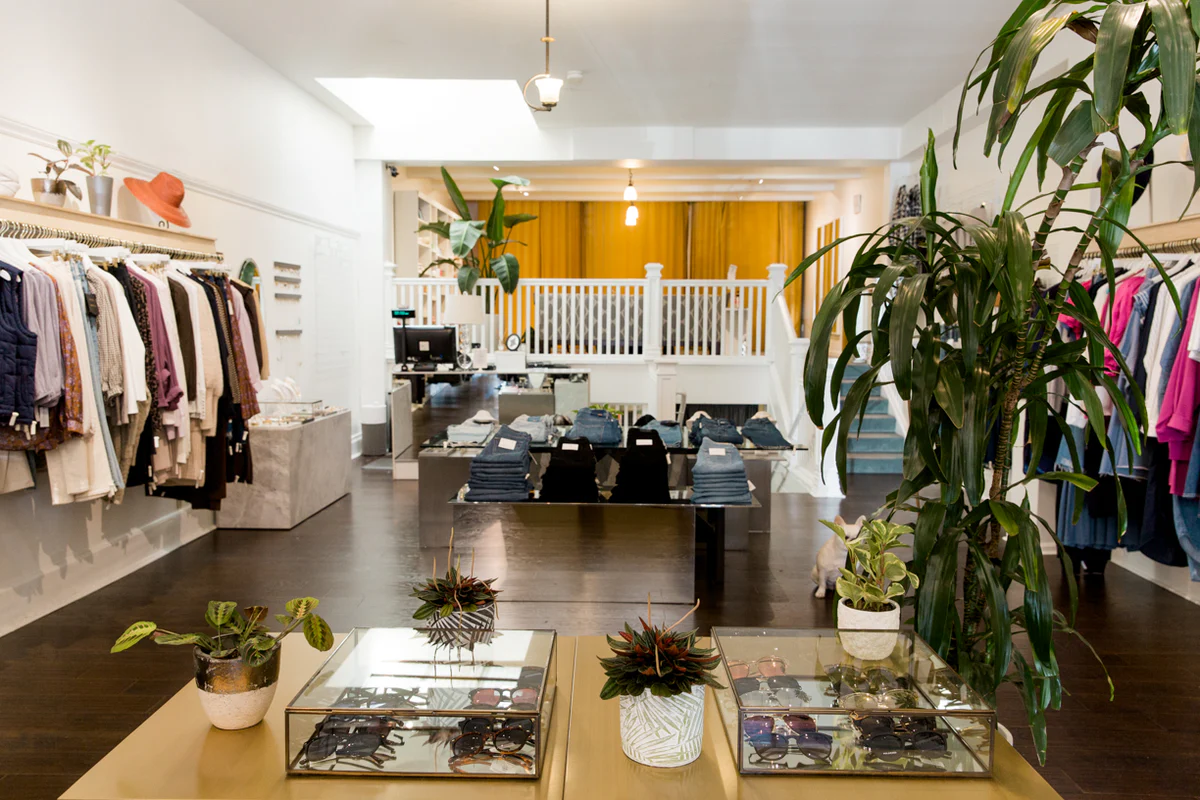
{"x": 719, "y": 476}
{"x": 642, "y": 477}
{"x": 718, "y": 430}
{"x": 500, "y": 473}
{"x": 763, "y": 433}
{"x": 538, "y": 428}
{"x": 469, "y": 432}
{"x": 597, "y": 426}
{"x": 570, "y": 476}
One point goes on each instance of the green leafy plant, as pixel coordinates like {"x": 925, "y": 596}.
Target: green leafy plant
{"x": 480, "y": 247}
{"x": 55, "y": 167}
{"x": 972, "y": 340}
{"x": 94, "y": 159}
{"x": 454, "y": 591}
{"x": 662, "y": 660}
{"x": 876, "y": 575}
{"x": 239, "y": 633}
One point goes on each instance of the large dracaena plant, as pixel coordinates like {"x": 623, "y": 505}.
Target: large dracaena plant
{"x": 480, "y": 247}
{"x": 972, "y": 341}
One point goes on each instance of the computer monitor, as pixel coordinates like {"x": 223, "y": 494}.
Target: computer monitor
{"x": 425, "y": 344}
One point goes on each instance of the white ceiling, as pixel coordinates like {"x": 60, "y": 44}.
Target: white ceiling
{"x": 693, "y": 182}
{"x": 701, "y": 63}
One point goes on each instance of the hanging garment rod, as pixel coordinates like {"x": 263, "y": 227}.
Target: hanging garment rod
{"x": 1191, "y": 245}
{"x": 10, "y": 229}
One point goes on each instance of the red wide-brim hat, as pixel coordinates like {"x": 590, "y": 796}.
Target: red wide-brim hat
{"x": 163, "y": 195}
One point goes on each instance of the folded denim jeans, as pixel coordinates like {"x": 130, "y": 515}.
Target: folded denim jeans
{"x": 763, "y": 433}
{"x": 539, "y": 428}
{"x": 671, "y": 433}
{"x": 718, "y": 430}
{"x": 597, "y": 426}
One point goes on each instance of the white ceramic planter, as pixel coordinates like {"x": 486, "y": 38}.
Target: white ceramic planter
{"x": 464, "y": 628}
{"x": 233, "y": 694}
{"x": 854, "y": 624}
{"x": 663, "y": 731}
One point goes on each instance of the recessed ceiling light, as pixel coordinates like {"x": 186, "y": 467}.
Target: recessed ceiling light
{"x": 760, "y": 180}
{"x": 498, "y": 169}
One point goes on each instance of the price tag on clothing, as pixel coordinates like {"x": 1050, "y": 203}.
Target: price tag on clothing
{"x": 569, "y": 446}
{"x": 644, "y": 442}
{"x": 13, "y": 419}
{"x": 4, "y": 274}
{"x": 156, "y": 442}
{"x": 93, "y": 305}
{"x": 507, "y": 444}
{"x": 750, "y": 484}
{"x": 716, "y": 451}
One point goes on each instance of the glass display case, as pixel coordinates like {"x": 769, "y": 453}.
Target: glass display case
{"x": 796, "y": 703}
{"x": 397, "y": 701}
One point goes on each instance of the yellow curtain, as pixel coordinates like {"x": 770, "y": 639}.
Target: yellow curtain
{"x": 791, "y": 252}
{"x": 613, "y": 250}
{"x": 710, "y": 245}
{"x": 549, "y": 245}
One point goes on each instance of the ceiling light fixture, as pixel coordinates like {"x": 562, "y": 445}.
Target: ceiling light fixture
{"x": 495, "y": 168}
{"x": 760, "y": 180}
{"x": 525, "y": 193}
{"x": 631, "y": 215}
{"x": 631, "y": 190}
{"x": 548, "y": 86}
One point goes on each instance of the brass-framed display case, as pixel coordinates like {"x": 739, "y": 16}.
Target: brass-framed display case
{"x": 403, "y": 702}
{"x": 796, "y": 702}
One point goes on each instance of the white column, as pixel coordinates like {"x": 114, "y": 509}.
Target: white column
{"x": 664, "y": 386}
{"x": 373, "y": 208}
{"x": 652, "y": 316}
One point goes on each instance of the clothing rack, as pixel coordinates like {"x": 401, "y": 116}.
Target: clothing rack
{"x": 10, "y": 229}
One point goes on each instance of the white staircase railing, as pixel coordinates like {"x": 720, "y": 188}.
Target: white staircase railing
{"x": 572, "y": 320}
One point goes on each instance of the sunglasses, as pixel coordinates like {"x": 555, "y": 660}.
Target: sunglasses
{"x": 380, "y": 698}
{"x": 490, "y": 698}
{"x": 509, "y": 739}
{"x": 845, "y": 679}
{"x": 343, "y": 724}
{"x": 782, "y": 690}
{"x": 496, "y": 762}
{"x": 761, "y": 726}
{"x": 887, "y": 738}
{"x": 767, "y": 666}
{"x": 776, "y": 746}
{"x": 531, "y": 678}
{"x": 366, "y": 746}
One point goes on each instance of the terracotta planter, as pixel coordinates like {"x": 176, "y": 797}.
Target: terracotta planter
{"x": 234, "y": 694}
{"x": 663, "y": 731}
{"x": 854, "y": 626}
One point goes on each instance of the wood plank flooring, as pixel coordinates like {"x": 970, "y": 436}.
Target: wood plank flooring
{"x": 64, "y": 701}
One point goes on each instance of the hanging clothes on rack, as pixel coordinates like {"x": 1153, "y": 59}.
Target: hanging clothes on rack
{"x": 124, "y": 370}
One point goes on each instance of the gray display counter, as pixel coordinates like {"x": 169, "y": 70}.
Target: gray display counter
{"x": 298, "y": 470}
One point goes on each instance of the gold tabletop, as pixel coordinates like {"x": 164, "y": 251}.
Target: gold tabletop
{"x": 178, "y": 755}
{"x": 598, "y": 769}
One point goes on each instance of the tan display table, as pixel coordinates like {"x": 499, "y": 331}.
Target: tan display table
{"x": 177, "y": 755}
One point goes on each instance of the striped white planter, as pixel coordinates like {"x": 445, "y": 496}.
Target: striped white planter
{"x": 464, "y": 628}
{"x": 663, "y": 731}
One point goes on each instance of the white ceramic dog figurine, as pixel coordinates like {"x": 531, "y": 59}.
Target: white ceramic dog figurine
{"x": 832, "y": 556}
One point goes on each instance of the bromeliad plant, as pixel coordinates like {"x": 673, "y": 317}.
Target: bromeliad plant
{"x": 970, "y": 335}
{"x": 480, "y": 247}
{"x": 455, "y": 591}
{"x": 662, "y": 660}
{"x": 239, "y": 633}
{"x": 876, "y": 576}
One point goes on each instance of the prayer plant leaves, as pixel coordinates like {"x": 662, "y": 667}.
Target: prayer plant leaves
{"x": 1113, "y": 46}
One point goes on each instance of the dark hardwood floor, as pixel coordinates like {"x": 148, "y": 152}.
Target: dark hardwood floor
{"x": 64, "y": 701}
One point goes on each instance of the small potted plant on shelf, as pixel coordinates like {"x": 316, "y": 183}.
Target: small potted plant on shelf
{"x": 94, "y": 160}
{"x": 458, "y": 608}
{"x": 51, "y": 189}
{"x": 660, "y": 675}
{"x": 237, "y": 667}
{"x": 869, "y": 588}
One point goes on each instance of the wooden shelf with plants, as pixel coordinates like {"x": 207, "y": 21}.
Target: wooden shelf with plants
{"x": 27, "y": 211}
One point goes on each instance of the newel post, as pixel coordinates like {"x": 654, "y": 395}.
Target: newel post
{"x": 652, "y": 329}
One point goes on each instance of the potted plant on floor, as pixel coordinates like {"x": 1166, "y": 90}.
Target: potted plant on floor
{"x": 237, "y": 666}
{"x": 51, "y": 189}
{"x": 660, "y": 675}
{"x": 94, "y": 160}
{"x": 868, "y": 590}
{"x": 457, "y": 607}
{"x": 969, "y": 328}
